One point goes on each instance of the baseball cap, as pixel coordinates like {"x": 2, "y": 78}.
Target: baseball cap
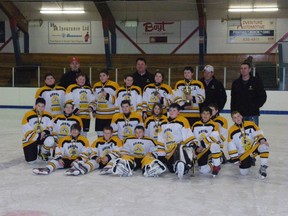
{"x": 74, "y": 59}
{"x": 209, "y": 68}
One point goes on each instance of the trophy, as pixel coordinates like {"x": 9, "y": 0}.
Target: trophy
{"x": 187, "y": 91}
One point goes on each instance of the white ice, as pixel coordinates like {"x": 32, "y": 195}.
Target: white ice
{"x": 23, "y": 193}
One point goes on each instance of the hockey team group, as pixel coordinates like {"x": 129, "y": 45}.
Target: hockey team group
{"x": 145, "y": 124}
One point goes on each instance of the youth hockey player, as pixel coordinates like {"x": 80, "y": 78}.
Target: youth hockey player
{"x": 62, "y": 123}
{"x": 37, "y": 127}
{"x": 139, "y": 152}
{"x": 153, "y": 123}
{"x": 70, "y": 148}
{"x": 54, "y": 95}
{"x": 178, "y": 140}
{"x": 82, "y": 97}
{"x": 206, "y": 132}
{"x": 157, "y": 92}
{"x": 245, "y": 141}
{"x": 123, "y": 124}
{"x": 104, "y": 152}
{"x": 131, "y": 93}
{"x": 189, "y": 94}
{"x": 105, "y": 95}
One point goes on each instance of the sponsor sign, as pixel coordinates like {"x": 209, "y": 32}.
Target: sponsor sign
{"x": 253, "y": 31}
{"x": 158, "y": 32}
{"x": 69, "y": 32}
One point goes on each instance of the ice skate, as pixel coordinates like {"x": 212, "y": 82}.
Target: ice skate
{"x": 41, "y": 171}
{"x": 72, "y": 172}
{"x": 262, "y": 171}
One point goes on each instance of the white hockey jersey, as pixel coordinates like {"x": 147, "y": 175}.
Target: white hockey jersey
{"x": 54, "y": 98}
{"x": 149, "y": 97}
{"x": 138, "y": 148}
{"x": 124, "y": 127}
{"x": 33, "y": 124}
{"x": 81, "y": 97}
{"x": 71, "y": 148}
{"x": 133, "y": 94}
{"x": 152, "y": 126}
{"x": 173, "y": 132}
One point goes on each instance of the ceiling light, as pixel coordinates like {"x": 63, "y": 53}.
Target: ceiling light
{"x": 62, "y": 11}
{"x": 256, "y": 9}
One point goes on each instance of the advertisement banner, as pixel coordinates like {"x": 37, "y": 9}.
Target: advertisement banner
{"x": 2, "y": 31}
{"x": 69, "y": 32}
{"x": 253, "y": 31}
{"x": 159, "y": 32}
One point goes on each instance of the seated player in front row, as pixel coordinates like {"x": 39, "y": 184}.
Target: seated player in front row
{"x": 206, "y": 132}
{"x": 246, "y": 141}
{"x": 70, "y": 148}
{"x": 139, "y": 152}
{"x": 104, "y": 152}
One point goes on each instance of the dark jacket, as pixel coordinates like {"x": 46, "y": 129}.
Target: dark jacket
{"x": 247, "y": 97}
{"x": 214, "y": 93}
{"x": 70, "y": 78}
{"x": 144, "y": 80}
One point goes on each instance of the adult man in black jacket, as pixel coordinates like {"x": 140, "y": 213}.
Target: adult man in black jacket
{"x": 248, "y": 94}
{"x": 141, "y": 76}
{"x": 214, "y": 90}
{"x": 70, "y": 77}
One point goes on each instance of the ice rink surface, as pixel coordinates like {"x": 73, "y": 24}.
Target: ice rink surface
{"x": 23, "y": 193}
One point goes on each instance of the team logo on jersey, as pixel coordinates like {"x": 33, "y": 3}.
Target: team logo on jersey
{"x": 157, "y": 130}
{"x": 73, "y": 152}
{"x": 127, "y": 131}
{"x": 138, "y": 149}
{"x": 246, "y": 143}
{"x": 83, "y": 97}
{"x": 169, "y": 138}
{"x": 55, "y": 100}
{"x": 64, "y": 130}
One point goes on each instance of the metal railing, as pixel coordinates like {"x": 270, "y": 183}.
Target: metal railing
{"x": 33, "y": 76}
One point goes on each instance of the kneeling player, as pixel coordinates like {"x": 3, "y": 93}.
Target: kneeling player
{"x": 246, "y": 141}
{"x": 70, "y": 148}
{"x": 105, "y": 150}
{"x": 178, "y": 139}
{"x": 206, "y": 132}
{"x": 139, "y": 152}
{"x": 37, "y": 127}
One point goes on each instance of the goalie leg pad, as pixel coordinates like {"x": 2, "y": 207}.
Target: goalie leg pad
{"x": 154, "y": 169}
{"x": 122, "y": 168}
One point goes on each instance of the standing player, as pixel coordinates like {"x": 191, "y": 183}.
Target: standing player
{"x": 123, "y": 124}
{"x": 189, "y": 94}
{"x": 206, "y": 132}
{"x": 245, "y": 141}
{"x": 53, "y": 95}
{"x": 153, "y": 123}
{"x": 104, "y": 152}
{"x": 178, "y": 140}
{"x": 82, "y": 97}
{"x": 105, "y": 94}
{"x": 156, "y": 92}
{"x": 139, "y": 152}
{"x": 70, "y": 148}
{"x": 37, "y": 126}
{"x": 131, "y": 93}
